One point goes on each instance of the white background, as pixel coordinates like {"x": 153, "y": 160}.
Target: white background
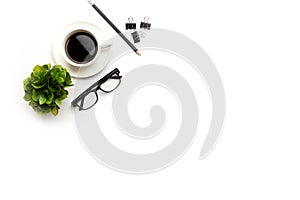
{"x": 255, "y": 46}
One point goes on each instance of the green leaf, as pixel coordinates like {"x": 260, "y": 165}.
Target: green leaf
{"x": 35, "y": 95}
{"x": 27, "y": 97}
{"x": 39, "y": 71}
{"x": 58, "y": 101}
{"x": 60, "y": 80}
{"x": 42, "y": 99}
{"x": 50, "y": 97}
{"x": 36, "y": 86}
{"x": 68, "y": 80}
{"x": 54, "y": 110}
{"x": 27, "y": 85}
{"x": 47, "y": 66}
{"x": 51, "y": 89}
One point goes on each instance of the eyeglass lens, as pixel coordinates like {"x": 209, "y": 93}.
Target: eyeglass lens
{"x": 91, "y": 98}
{"x": 110, "y": 84}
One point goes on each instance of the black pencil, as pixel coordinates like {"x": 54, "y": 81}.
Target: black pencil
{"x": 115, "y": 28}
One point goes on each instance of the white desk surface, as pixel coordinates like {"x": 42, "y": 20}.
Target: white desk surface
{"x": 255, "y": 46}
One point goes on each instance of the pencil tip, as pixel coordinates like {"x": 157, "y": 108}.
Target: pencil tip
{"x": 138, "y": 53}
{"x": 90, "y": 2}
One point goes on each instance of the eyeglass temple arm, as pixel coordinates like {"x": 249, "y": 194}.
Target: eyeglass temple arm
{"x": 118, "y": 77}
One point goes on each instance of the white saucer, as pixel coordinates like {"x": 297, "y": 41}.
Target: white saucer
{"x": 82, "y": 72}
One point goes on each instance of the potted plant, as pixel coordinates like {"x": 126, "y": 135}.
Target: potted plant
{"x": 45, "y": 89}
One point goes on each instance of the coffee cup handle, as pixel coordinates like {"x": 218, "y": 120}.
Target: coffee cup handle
{"x": 105, "y": 46}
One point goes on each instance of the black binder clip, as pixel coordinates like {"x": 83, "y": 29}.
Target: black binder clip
{"x": 145, "y": 24}
{"x": 135, "y": 37}
{"x": 142, "y": 34}
{"x": 130, "y": 25}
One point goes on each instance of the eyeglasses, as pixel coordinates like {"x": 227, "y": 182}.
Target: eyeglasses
{"x": 89, "y": 97}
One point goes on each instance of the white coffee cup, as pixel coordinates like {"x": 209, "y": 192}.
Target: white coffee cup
{"x": 74, "y": 54}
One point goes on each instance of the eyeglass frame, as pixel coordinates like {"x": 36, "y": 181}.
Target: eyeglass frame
{"x": 94, "y": 88}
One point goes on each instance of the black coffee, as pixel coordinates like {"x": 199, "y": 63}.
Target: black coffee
{"x": 81, "y": 47}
